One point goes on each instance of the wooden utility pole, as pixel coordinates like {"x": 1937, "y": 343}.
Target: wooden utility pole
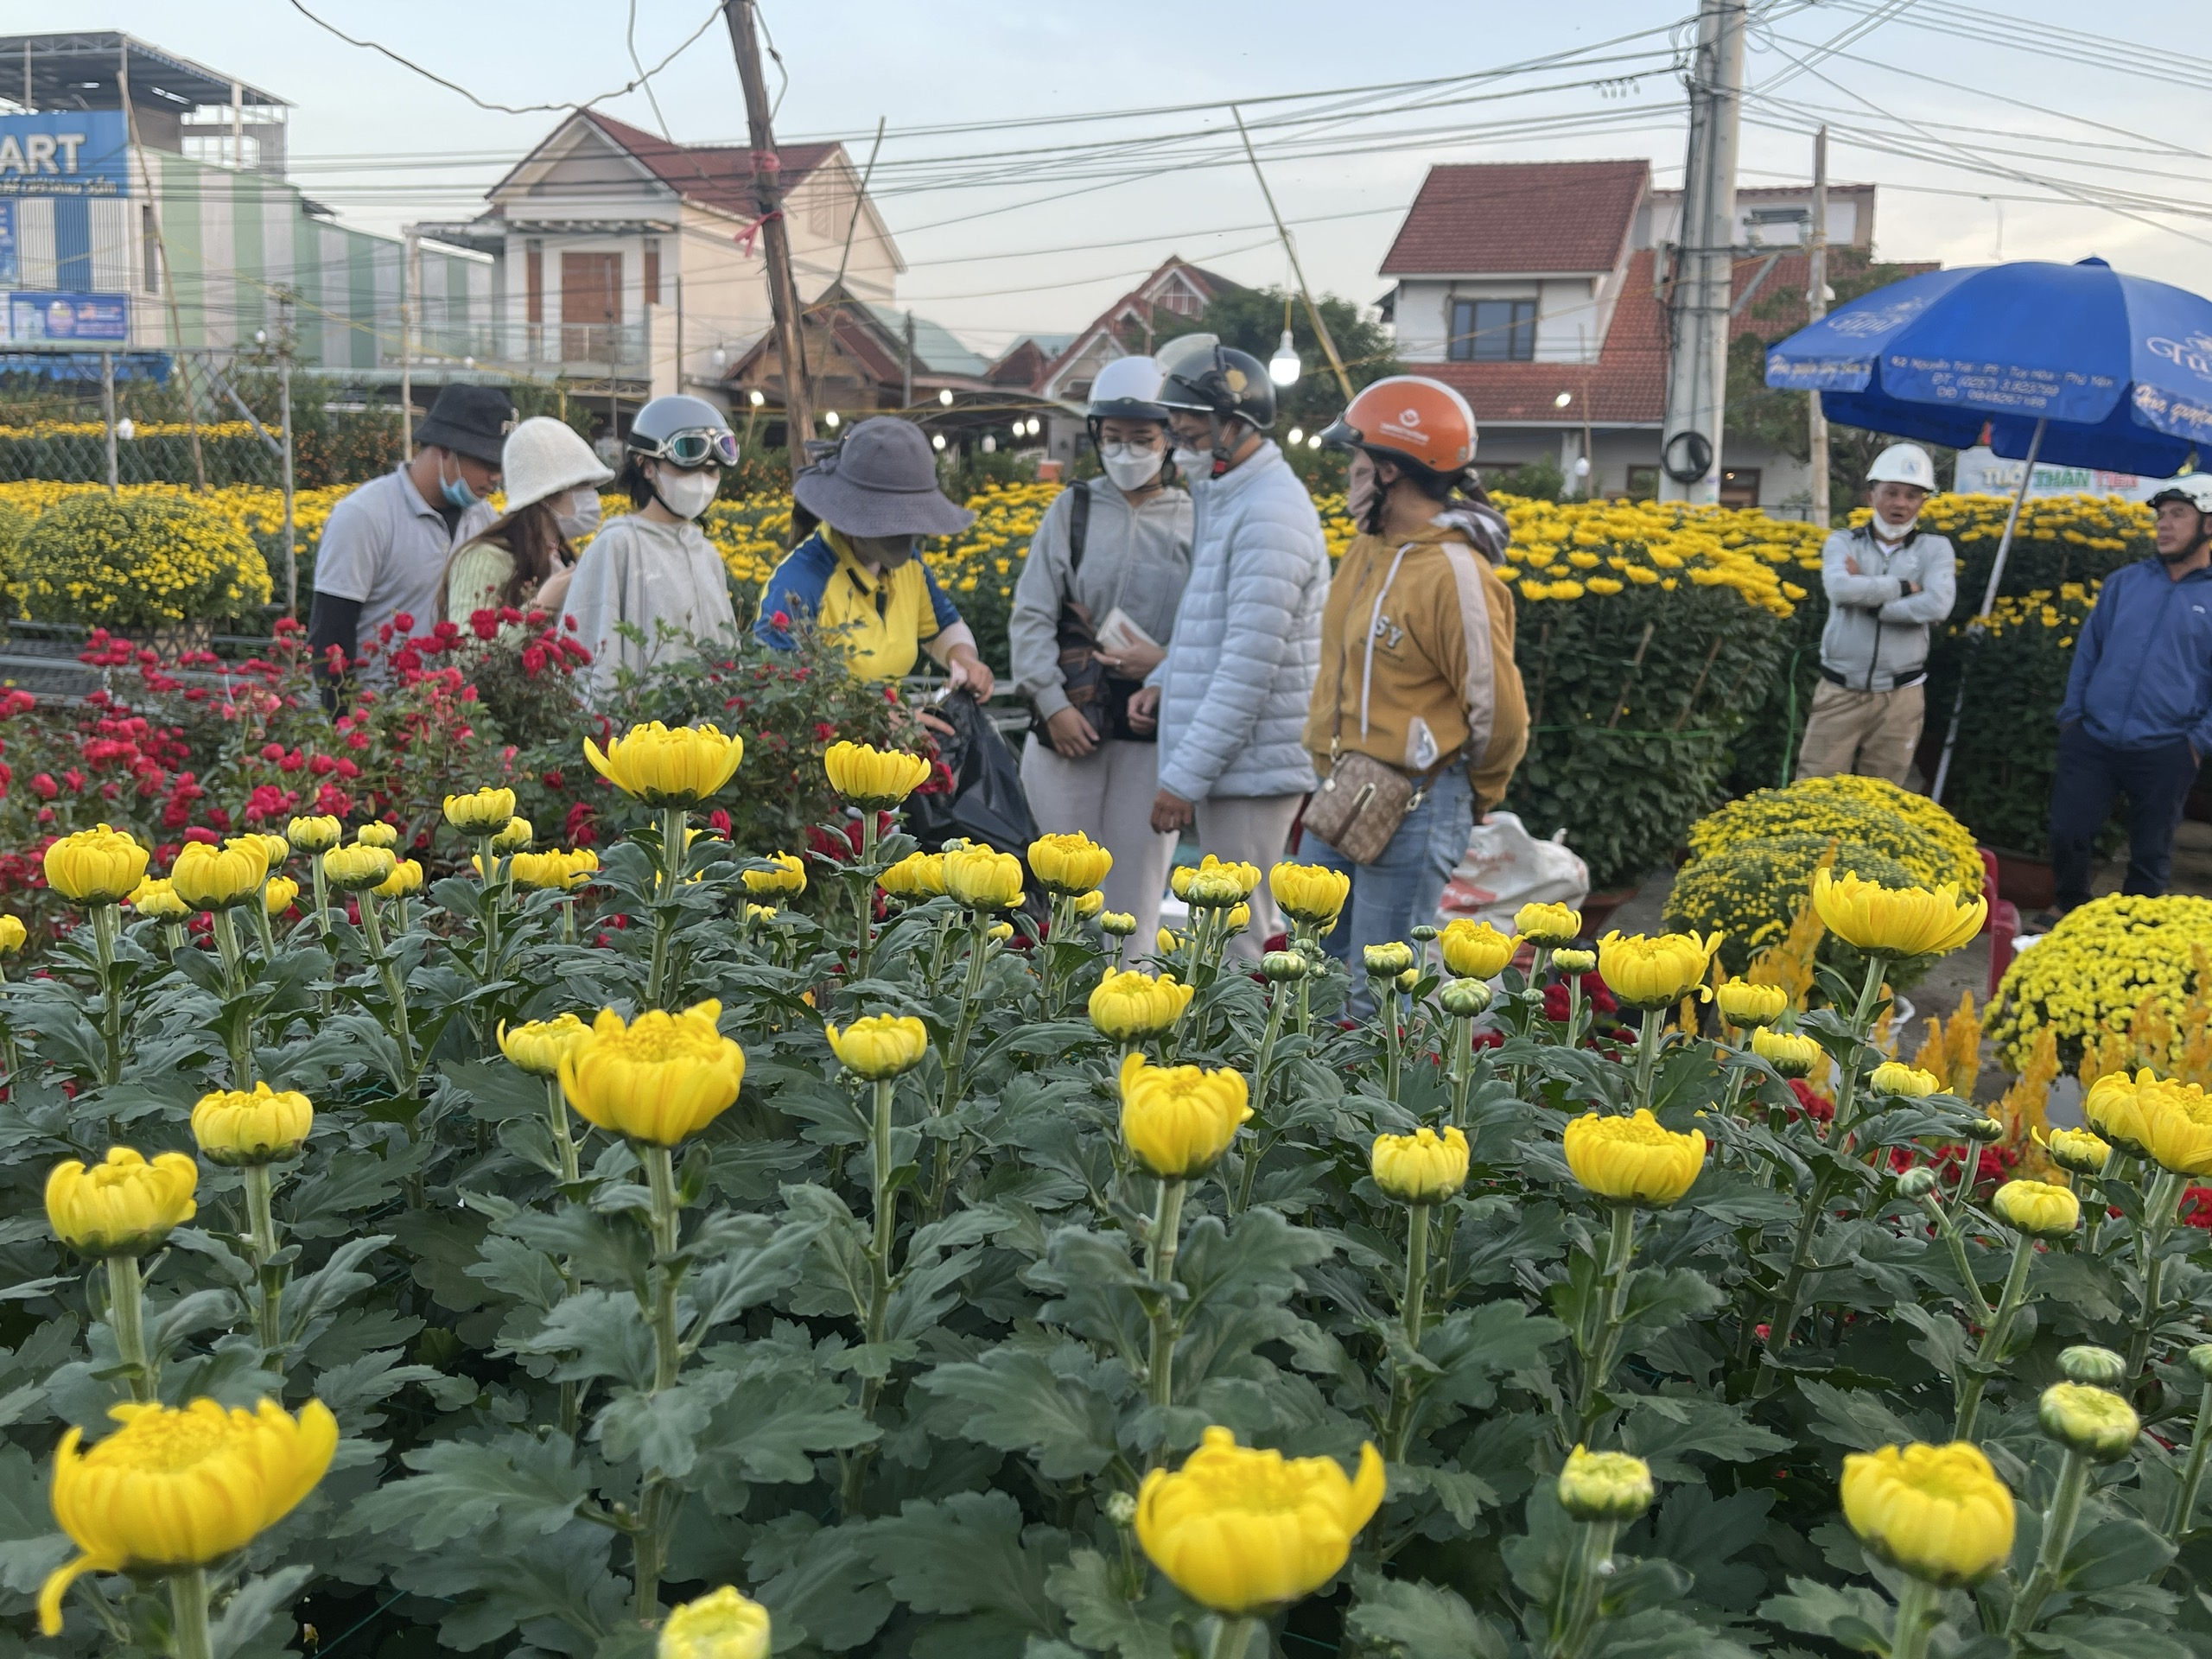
{"x": 1817, "y": 306}
{"x": 767, "y": 197}
{"x": 1282, "y": 233}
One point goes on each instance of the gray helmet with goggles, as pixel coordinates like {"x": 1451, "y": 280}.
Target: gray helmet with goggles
{"x": 684, "y": 431}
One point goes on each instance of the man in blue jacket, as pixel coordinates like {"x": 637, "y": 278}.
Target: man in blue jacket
{"x": 2138, "y": 715}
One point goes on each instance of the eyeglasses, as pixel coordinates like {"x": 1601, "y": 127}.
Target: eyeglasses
{"x": 696, "y": 447}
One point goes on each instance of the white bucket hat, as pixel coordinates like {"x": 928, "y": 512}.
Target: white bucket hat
{"x": 543, "y": 457}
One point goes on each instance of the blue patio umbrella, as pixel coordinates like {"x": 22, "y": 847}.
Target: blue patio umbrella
{"x": 2074, "y": 364}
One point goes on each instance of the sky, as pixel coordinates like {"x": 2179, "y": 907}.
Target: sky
{"x": 2006, "y": 121}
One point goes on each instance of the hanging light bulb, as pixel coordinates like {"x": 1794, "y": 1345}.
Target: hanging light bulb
{"x": 1314, "y": 442}
{"x": 1297, "y": 435}
{"x": 829, "y": 420}
{"x": 720, "y": 356}
{"x": 126, "y": 429}
{"x": 1284, "y": 367}
{"x": 1562, "y": 400}
{"x": 945, "y": 397}
{"x": 756, "y": 396}
{"x": 990, "y": 444}
{"x": 937, "y": 440}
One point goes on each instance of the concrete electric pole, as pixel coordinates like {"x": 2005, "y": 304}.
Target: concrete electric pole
{"x": 767, "y": 194}
{"x": 1817, "y": 306}
{"x": 1697, "y": 362}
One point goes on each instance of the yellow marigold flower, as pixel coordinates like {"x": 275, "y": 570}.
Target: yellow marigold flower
{"x": 1633, "y": 1160}
{"x": 1743, "y": 1004}
{"x": 657, "y": 1079}
{"x": 1388, "y": 960}
{"x": 789, "y": 876}
{"x": 1131, "y": 1005}
{"x": 880, "y": 1046}
{"x": 1475, "y": 949}
{"x": 1653, "y": 971}
{"x": 1312, "y": 893}
{"x": 176, "y": 1489}
{"x": 377, "y": 834}
{"x": 1423, "y": 1167}
{"x": 982, "y": 878}
{"x": 537, "y": 1046}
{"x": 256, "y": 1126}
{"x": 277, "y": 896}
{"x": 1548, "y": 926}
{"x": 480, "y": 812}
{"x": 2080, "y": 1150}
{"x": 871, "y": 778}
{"x": 1216, "y": 886}
{"x": 1069, "y": 864}
{"x": 13, "y": 933}
{"x": 1939, "y": 1512}
{"x": 917, "y": 876}
{"x": 1896, "y": 1077}
{"x": 358, "y": 868}
{"x": 404, "y": 881}
{"x": 1244, "y": 1531}
{"x": 315, "y": 834}
{"x": 2177, "y": 1129}
{"x": 1604, "y": 1485}
{"x": 685, "y": 765}
{"x": 96, "y": 867}
{"x": 154, "y": 898}
{"x": 722, "y": 1625}
{"x": 1178, "y": 1120}
{"x": 1788, "y": 1053}
{"x": 2038, "y": 1208}
{"x": 126, "y": 1207}
{"x": 514, "y": 837}
{"x": 2096, "y": 1422}
{"x": 1895, "y": 921}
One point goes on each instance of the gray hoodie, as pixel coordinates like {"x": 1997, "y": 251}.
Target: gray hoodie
{"x": 1876, "y": 634}
{"x": 637, "y": 574}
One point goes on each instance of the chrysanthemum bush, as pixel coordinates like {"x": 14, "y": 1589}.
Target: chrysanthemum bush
{"x": 2111, "y": 966}
{"x": 867, "y": 1272}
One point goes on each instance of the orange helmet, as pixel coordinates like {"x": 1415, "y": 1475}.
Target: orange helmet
{"x": 1409, "y": 417}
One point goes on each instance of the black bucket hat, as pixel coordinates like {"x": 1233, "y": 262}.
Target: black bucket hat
{"x": 472, "y": 420}
{"x": 880, "y": 481}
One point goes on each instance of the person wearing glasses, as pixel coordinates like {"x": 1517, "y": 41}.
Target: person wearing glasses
{"x": 653, "y": 570}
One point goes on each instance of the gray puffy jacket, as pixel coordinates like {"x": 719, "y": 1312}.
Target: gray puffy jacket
{"x": 1247, "y": 647}
{"x": 1877, "y": 633}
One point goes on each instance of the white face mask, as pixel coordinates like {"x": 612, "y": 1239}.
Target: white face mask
{"x": 581, "y": 517}
{"x": 1130, "y": 466}
{"x": 687, "y": 494}
{"x": 1890, "y": 533}
{"x": 1195, "y": 465}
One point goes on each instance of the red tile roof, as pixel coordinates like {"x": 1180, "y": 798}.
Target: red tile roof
{"x": 1519, "y": 218}
{"x": 719, "y": 175}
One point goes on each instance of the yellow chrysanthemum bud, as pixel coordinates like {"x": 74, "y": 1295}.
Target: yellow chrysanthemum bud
{"x": 514, "y": 837}
{"x": 277, "y": 896}
{"x": 1069, "y": 864}
{"x": 207, "y": 877}
{"x": 982, "y": 878}
{"x": 157, "y": 900}
{"x": 880, "y": 1045}
{"x": 2098, "y": 1367}
{"x": 2038, "y": 1208}
{"x": 1117, "y": 923}
{"x": 1655, "y": 970}
{"x": 1475, "y": 949}
{"x": 1548, "y": 926}
{"x": 177, "y": 1489}
{"x": 1000, "y": 934}
{"x": 873, "y": 779}
{"x": 1178, "y": 1120}
{"x": 538, "y": 1046}
{"x": 1216, "y": 886}
{"x": 1129, "y": 1007}
{"x": 1167, "y": 941}
{"x": 917, "y": 876}
{"x": 2177, "y": 1129}
{"x": 377, "y": 834}
{"x": 255, "y": 1125}
{"x": 358, "y": 868}
{"x": 1088, "y": 905}
{"x": 1244, "y": 1531}
{"x": 1896, "y": 1077}
{"x": 480, "y": 812}
{"x": 1633, "y": 1160}
{"x": 2096, "y": 1422}
{"x": 1387, "y": 960}
{"x": 1788, "y": 1053}
{"x": 1277, "y": 966}
{"x": 1743, "y": 1004}
{"x": 2080, "y": 1150}
{"x": 789, "y": 876}
{"x": 275, "y": 850}
{"x": 315, "y": 834}
{"x": 1571, "y": 961}
{"x": 1939, "y": 1512}
{"x": 1423, "y": 1167}
{"x": 1902, "y": 922}
{"x": 13, "y": 933}
{"x": 404, "y": 881}
{"x": 1464, "y": 999}
{"x": 686, "y": 766}
{"x": 126, "y": 1207}
{"x": 1312, "y": 893}
{"x": 720, "y": 1625}
{"x": 95, "y": 866}
{"x": 657, "y": 1080}
{"x": 1604, "y": 1485}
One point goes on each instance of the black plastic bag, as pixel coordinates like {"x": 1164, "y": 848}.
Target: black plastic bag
{"x": 986, "y": 802}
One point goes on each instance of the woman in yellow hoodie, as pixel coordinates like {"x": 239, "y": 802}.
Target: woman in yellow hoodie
{"x": 1417, "y": 669}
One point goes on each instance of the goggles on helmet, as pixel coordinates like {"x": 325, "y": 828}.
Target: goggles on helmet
{"x": 693, "y": 446}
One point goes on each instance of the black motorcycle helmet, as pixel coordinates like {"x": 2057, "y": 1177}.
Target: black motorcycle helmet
{"x": 1198, "y": 373}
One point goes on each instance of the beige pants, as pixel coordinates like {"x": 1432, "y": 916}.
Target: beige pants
{"x": 1251, "y": 829}
{"x": 1108, "y": 796}
{"x": 1870, "y": 733}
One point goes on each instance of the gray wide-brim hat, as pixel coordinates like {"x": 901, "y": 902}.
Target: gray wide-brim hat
{"x": 881, "y": 480}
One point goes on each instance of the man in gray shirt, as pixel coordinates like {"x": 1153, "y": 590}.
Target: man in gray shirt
{"x": 384, "y": 550}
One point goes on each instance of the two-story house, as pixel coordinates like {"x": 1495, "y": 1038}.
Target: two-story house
{"x": 1537, "y": 289}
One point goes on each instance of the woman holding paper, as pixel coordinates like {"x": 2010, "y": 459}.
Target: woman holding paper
{"x": 1092, "y": 611}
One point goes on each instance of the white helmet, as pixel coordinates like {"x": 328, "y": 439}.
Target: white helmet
{"x": 1903, "y": 463}
{"x": 1128, "y": 389}
{"x": 543, "y": 457}
{"x": 2196, "y": 488}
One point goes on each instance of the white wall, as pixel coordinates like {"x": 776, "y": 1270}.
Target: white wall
{"x": 1571, "y": 313}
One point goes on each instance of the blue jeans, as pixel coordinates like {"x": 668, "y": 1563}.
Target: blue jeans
{"x": 1399, "y": 890}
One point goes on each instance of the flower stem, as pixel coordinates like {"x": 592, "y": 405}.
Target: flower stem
{"x": 1232, "y": 1636}
{"x": 1412, "y": 1316}
{"x": 1916, "y": 1618}
{"x": 261, "y": 924}
{"x": 1574, "y": 1614}
{"x": 2192, "y": 1480}
{"x": 1463, "y": 1069}
{"x": 1989, "y": 1353}
{"x": 864, "y": 900}
{"x": 1159, "y": 1267}
{"x": 107, "y": 927}
{"x": 126, "y": 1317}
{"x": 321, "y": 897}
{"x": 188, "y": 1613}
{"x": 956, "y": 1057}
{"x": 2057, "y": 1534}
{"x": 1386, "y": 1008}
{"x": 2158, "y": 1221}
{"x": 488, "y": 875}
{"x": 658, "y": 1500}
{"x": 261, "y": 1245}
{"x": 1957, "y": 1245}
{"x": 1605, "y": 1346}
{"x": 881, "y": 1245}
{"x": 1647, "y": 1055}
{"x": 1262, "y": 1075}
{"x": 673, "y": 823}
{"x": 240, "y": 1040}
{"x": 564, "y": 1140}
{"x": 395, "y": 989}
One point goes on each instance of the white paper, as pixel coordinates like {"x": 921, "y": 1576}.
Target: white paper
{"x": 1119, "y": 631}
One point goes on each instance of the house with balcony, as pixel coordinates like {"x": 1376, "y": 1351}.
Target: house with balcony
{"x": 1539, "y": 290}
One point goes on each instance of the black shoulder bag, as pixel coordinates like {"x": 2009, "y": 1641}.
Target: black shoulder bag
{"x": 1101, "y": 698}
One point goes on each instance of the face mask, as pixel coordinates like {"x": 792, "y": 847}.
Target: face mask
{"x": 582, "y": 516}
{"x": 1359, "y": 495}
{"x": 1890, "y": 533}
{"x": 889, "y": 551}
{"x": 455, "y": 489}
{"x": 1129, "y": 466}
{"x": 1195, "y": 465}
{"x": 687, "y": 494}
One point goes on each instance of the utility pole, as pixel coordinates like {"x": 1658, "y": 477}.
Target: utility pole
{"x": 285, "y": 414}
{"x": 1697, "y": 362}
{"x": 411, "y": 279}
{"x": 1817, "y": 306}
{"x": 107, "y": 413}
{"x": 140, "y": 166}
{"x": 767, "y": 197}
{"x": 1282, "y": 233}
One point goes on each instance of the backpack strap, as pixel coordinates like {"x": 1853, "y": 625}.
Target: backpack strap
{"x": 1078, "y": 524}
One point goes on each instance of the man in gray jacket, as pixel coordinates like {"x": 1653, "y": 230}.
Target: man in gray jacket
{"x": 1888, "y": 582}
{"x": 1233, "y": 694}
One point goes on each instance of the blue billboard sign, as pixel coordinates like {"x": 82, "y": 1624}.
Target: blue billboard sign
{"x": 65, "y": 153}
{"x": 9, "y": 268}
{"x": 99, "y": 318}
